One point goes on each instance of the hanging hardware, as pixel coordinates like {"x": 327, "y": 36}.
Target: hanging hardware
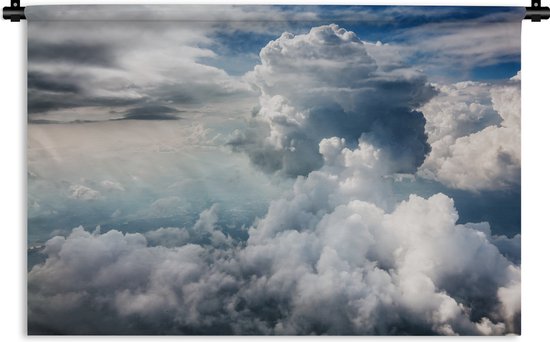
{"x": 536, "y": 12}
{"x": 15, "y": 12}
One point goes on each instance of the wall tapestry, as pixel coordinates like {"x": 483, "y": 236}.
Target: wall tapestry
{"x": 274, "y": 170}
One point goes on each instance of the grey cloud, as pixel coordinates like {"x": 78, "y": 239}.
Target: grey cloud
{"x": 42, "y": 102}
{"x": 48, "y": 83}
{"x": 168, "y": 237}
{"x": 96, "y": 54}
{"x": 271, "y": 159}
{"x": 198, "y": 92}
{"x": 242, "y": 15}
{"x": 509, "y": 247}
{"x": 152, "y": 112}
{"x": 179, "y": 93}
{"x": 54, "y": 91}
{"x": 117, "y": 75}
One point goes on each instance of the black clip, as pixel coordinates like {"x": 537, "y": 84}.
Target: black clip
{"x": 15, "y": 12}
{"x": 536, "y": 12}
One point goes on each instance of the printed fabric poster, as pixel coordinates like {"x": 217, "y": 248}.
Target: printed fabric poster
{"x": 274, "y": 170}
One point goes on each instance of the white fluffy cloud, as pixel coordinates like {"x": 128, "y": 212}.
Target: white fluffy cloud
{"x": 330, "y": 83}
{"x": 472, "y": 148}
{"x": 327, "y": 258}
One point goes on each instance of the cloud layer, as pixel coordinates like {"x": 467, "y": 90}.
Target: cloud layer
{"x": 326, "y": 259}
{"x": 329, "y": 83}
{"x": 121, "y": 71}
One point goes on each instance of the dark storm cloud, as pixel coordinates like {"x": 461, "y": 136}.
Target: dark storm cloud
{"x": 152, "y": 112}
{"x": 52, "y": 91}
{"x": 49, "y": 83}
{"x": 43, "y": 101}
{"x": 96, "y": 54}
{"x": 66, "y": 86}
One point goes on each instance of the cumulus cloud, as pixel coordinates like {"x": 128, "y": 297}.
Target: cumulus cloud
{"x": 472, "y": 148}
{"x": 326, "y": 83}
{"x": 168, "y": 237}
{"x": 326, "y": 259}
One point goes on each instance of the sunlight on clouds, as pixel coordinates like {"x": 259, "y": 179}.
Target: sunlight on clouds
{"x": 121, "y": 171}
{"x": 470, "y": 150}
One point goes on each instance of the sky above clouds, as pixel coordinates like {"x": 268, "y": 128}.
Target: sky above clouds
{"x": 274, "y": 170}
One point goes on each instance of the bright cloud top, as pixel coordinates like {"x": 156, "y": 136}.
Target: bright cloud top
{"x": 472, "y": 148}
{"x": 329, "y": 83}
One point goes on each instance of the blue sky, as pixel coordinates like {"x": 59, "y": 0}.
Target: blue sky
{"x": 380, "y": 23}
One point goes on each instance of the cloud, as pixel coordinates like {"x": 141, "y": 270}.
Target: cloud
{"x": 83, "y": 193}
{"x": 327, "y": 258}
{"x": 75, "y": 52}
{"x": 167, "y": 237}
{"x": 472, "y": 148}
{"x": 206, "y": 230}
{"x": 152, "y": 112}
{"x": 329, "y": 83}
{"x": 111, "y": 75}
{"x": 439, "y": 47}
{"x": 45, "y": 82}
{"x": 61, "y": 99}
{"x": 509, "y": 247}
{"x": 112, "y": 185}
{"x": 229, "y": 15}
{"x": 112, "y": 68}
{"x": 336, "y": 254}
{"x": 167, "y": 206}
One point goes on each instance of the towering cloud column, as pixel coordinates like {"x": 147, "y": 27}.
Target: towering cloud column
{"x": 328, "y": 83}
